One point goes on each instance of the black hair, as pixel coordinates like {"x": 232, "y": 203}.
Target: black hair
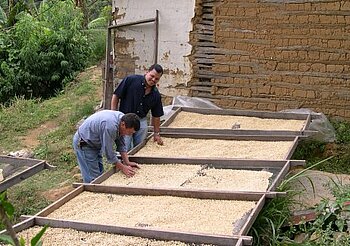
{"x": 156, "y": 67}
{"x": 131, "y": 120}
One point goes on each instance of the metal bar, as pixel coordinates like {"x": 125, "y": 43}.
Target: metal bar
{"x": 156, "y": 37}
{"x": 252, "y": 216}
{"x": 181, "y": 192}
{"x": 46, "y": 211}
{"x": 279, "y": 177}
{"x": 30, "y": 171}
{"x": 145, "y": 232}
{"x": 132, "y": 23}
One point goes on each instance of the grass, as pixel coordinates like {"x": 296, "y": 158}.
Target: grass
{"x": 313, "y": 151}
{"x": 78, "y": 100}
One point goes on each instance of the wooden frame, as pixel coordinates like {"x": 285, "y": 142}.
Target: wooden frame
{"x": 33, "y": 166}
{"x": 261, "y": 114}
{"x": 41, "y": 219}
{"x": 267, "y": 138}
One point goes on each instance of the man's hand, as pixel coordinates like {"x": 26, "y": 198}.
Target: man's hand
{"x": 127, "y": 170}
{"x": 157, "y": 138}
{"x": 133, "y": 164}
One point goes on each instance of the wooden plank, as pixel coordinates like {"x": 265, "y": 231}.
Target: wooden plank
{"x": 104, "y": 176}
{"x": 226, "y": 137}
{"x": 49, "y": 209}
{"x": 199, "y": 238}
{"x": 252, "y": 113}
{"x": 172, "y": 117}
{"x": 181, "y": 192}
{"x": 25, "y": 224}
{"x": 233, "y": 132}
{"x": 296, "y": 163}
{"x": 18, "y": 161}
{"x": 252, "y": 216}
{"x": 292, "y": 148}
{"x": 239, "y": 242}
{"x": 278, "y": 180}
{"x": 307, "y": 122}
{"x": 217, "y": 162}
{"x": 30, "y": 171}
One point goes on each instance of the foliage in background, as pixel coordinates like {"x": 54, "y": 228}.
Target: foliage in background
{"x": 39, "y": 55}
{"x": 96, "y": 33}
{"x": 269, "y": 227}
{"x": 76, "y": 101}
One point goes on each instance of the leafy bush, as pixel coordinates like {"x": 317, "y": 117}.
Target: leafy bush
{"x": 38, "y": 55}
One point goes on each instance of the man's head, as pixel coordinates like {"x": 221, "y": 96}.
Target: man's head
{"x": 153, "y": 74}
{"x": 130, "y": 123}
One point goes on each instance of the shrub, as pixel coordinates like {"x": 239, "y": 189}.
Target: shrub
{"x": 38, "y": 55}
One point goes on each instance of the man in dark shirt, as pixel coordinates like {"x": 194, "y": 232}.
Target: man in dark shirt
{"x": 139, "y": 94}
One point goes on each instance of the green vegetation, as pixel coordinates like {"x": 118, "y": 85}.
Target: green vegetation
{"x": 75, "y": 102}
{"x": 7, "y": 211}
{"x": 333, "y": 217}
{"x": 313, "y": 151}
{"x": 40, "y": 54}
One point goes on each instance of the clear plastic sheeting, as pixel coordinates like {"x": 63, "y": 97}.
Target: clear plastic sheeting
{"x": 185, "y": 101}
{"x": 319, "y": 123}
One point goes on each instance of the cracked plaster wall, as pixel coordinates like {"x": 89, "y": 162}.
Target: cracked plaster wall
{"x": 134, "y": 45}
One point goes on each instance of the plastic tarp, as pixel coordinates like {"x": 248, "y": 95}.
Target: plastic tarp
{"x": 319, "y": 123}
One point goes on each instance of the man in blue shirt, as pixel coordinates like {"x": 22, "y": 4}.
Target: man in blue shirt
{"x": 139, "y": 94}
{"x": 97, "y": 135}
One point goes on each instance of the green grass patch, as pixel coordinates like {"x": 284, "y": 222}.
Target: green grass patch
{"x": 313, "y": 151}
{"x": 75, "y": 102}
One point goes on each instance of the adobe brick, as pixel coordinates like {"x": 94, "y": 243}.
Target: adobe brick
{"x": 335, "y": 68}
{"x": 299, "y": 93}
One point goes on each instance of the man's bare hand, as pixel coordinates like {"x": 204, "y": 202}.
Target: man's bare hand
{"x": 128, "y": 170}
{"x": 134, "y": 164}
{"x": 158, "y": 139}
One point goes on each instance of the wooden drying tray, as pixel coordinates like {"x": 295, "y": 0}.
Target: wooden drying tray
{"x": 260, "y": 114}
{"x": 28, "y": 166}
{"x": 260, "y": 197}
{"x": 278, "y": 168}
{"x": 267, "y": 138}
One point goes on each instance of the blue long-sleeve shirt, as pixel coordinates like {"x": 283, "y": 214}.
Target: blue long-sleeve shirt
{"x": 101, "y": 131}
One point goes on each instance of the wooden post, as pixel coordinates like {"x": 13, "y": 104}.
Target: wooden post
{"x": 108, "y": 73}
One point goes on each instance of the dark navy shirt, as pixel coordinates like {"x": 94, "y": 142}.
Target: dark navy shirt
{"x": 131, "y": 92}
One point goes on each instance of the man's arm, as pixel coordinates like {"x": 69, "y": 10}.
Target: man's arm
{"x": 156, "y": 129}
{"x": 114, "y": 102}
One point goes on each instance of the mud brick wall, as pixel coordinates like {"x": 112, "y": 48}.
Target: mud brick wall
{"x": 273, "y": 54}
